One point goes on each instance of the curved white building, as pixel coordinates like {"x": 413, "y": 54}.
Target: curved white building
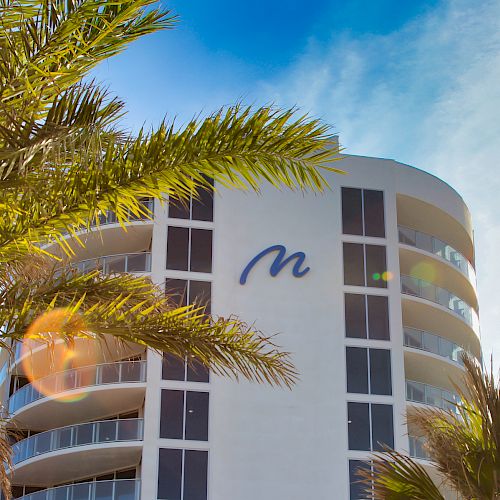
{"x": 375, "y": 307}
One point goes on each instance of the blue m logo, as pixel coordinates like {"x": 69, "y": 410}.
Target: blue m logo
{"x": 278, "y": 263}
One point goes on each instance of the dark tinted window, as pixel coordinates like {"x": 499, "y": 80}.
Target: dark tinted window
{"x": 177, "y": 289}
{"x": 169, "y": 474}
{"x": 378, "y": 317}
{"x": 172, "y": 367}
{"x": 376, "y": 266}
{"x": 177, "y": 248}
{"x": 178, "y": 209}
{"x": 359, "y": 426}
{"x": 357, "y": 370}
{"x": 195, "y": 475}
{"x": 374, "y": 213}
{"x": 352, "y": 219}
{"x": 354, "y": 267}
{"x": 172, "y": 411}
{"x": 200, "y": 293}
{"x": 203, "y": 206}
{"x": 197, "y": 416}
{"x": 380, "y": 372}
{"x": 196, "y": 372}
{"x": 126, "y": 474}
{"x": 382, "y": 427}
{"x": 355, "y": 315}
{"x": 356, "y": 489}
{"x": 201, "y": 250}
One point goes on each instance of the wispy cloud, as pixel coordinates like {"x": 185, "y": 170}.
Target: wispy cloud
{"x": 427, "y": 95}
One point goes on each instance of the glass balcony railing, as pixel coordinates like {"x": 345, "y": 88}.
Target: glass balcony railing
{"x": 441, "y": 296}
{"x": 420, "y": 339}
{"x": 417, "y": 392}
{"x": 120, "y": 263}
{"x": 437, "y": 247}
{"x": 106, "y": 431}
{"x": 417, "y": 448}
{"x": 119, "y": 489}
{"x": 109, "y": 217}
{"x": 77, "y": 378}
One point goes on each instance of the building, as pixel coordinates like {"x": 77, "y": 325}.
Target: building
{"x": 375, "y": 311}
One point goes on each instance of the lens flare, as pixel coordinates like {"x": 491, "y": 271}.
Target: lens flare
{"x": 54, "y": 349}
{"x": 424, "y": 271}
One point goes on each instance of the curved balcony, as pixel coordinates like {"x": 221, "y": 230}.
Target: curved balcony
{"x": 426, "y": 341}
{"x": 417, "y": 448}
{"x": 88, "y": 449}
{"x": 118, "y": 263}
{"x": 435, "y": 246}
{"x": 81, "y": 393}
{"x": 428, "y": 291}
{"x": 417, "y": 392}
{"x": 119, "y": 489}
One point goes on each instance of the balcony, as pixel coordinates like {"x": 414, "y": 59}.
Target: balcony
{"x": 417, "y": 448}
{"x": 417, "y": 392}
{"x": 82, "y": 450}
{"x": 119, "y": 263}
{"x": 120, "y": 489}
{"x": 80, "y": 394}
{"x": 428, "y": 342}
{"x": 438, "y": 248}
{"x": 428, "y": 291}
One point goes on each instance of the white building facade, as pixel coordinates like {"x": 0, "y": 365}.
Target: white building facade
{"x": 375, "y": 308}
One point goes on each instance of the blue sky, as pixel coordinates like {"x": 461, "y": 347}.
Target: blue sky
{"x": 417, "y": 81}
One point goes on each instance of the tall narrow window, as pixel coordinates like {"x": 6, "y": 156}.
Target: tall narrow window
{"x": 358, "y": 419}
{"x": 378, "y": 317}
{"x": 170, "y": 474}
{"x": 376, "y": 266}
{"x": 359, "y": 308}
{"x": 352, "y": 211}
{"x": 354, "y": 264}
{"x": 178, "y": 248}
{"x": 357, "y": 370}
{"x": 365, "y": 265}
{"x": 355, "y": 315}
{"x": 356, "y": 488}
{"x": 363, "y": 212}
{"x": 172, "y": 414}
{"x": 380, "y": 372}
{"x": 368, "y": 371}
{"x": 382, "y": 427}
{"x": 201, "y": 250}
{"x": 373, "y": 210}
{"x": 189, "y": 249}
{"x": 370, "y": 426}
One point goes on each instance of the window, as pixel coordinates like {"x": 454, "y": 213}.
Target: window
{"x": 184, "y": 415}
{"x": 368, "y": 371}
{"x": 182, "y": 474}
{"x": 365, "y": 265}
{"x": 189, "y": 249}
{"x": 363, "y": 212}
{"x": 185, "y": 292}
{"x": 366, "y": 316}
{"x": 370, "y": 426}
{"x": 174, "y": 368}
{"x": 200, "y": 207}
{"x": 357, "y": 490}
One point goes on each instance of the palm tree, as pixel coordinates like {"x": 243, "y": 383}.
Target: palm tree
{"x": 64, "y": 160}
{"x": 463, "y": 443}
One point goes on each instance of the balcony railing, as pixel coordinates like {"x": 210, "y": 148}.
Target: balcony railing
{"x": 417, "y": 448}
{"x": 429, "y": 291}
{"x": 109, "y": 217}
{"x": 420, "y": 339}
{"x": 119, "y": 489}
{"x": 417, "y": 392}
{"x": 77, "y": 378}
{"x": 120, "y": 263}
{"x": 107, "y": 431}
{"x": 437, "y": 247}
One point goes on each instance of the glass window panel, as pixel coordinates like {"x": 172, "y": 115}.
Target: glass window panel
{"x": 106, "y": 431}
{"x": 110, "y": 373}
{"x": 131, "y": 371}
{"x": 355, "y": 315}
{"x": 125, "y": 490}
{"x": 43, "y": 442}
{"x": 356, "y": 489}
{"x": 177, "y": 248}
{"x": 352, "y": 218}
{"x": 195, "y": 475}
{"x": 431, "y": 343}
{"x": 115, "y": 264}
{"x": 358, "y": 426}
{"x": 200, "y": 292}
{"x": 382, "y": 427}
{"x": 169, "y": 474}
{"x": 413, "y": 338}
{"x": 197, "y": 372}
{"x": 80, "y": 492}
{"x": 357, "y": 370}
{"x": 197, "y": 416}
{"x": 173, "y": 368}
{"x": 128, "y": 429}
{"x": 62, "y": 438}
{"x": 424, "y": 241}
{"x": 407, "y": 236}
{"x": 378, "y": 317}
{"x": 374, "y": 213}
{"x": 380, "y": 372}
{"x": 84, "y": 434}
{"x": 178, "y": 209}
{"x": 201, "y": 250}
{"x": 171, "y": 417}
{"x": 177, "y": 289}
{"x": 203, "y": 206}
{"x": 376, "y": 266}
{"x": 354, "y": 267}
{"x": 137, "y": 262}
{"x": 103, "y": 490}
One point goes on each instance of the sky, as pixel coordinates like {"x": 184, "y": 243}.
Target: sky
{"x": 417, "y": 81}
